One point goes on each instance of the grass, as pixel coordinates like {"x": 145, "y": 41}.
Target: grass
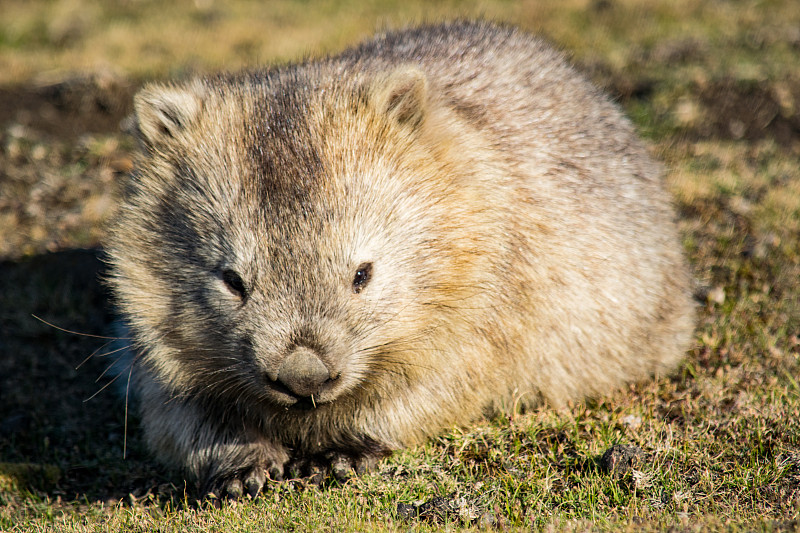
{"x": 713, "y": 85}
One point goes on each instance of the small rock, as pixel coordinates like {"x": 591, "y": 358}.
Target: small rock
{"x": 621, "y": 459}
{"x": 406, "y": 510}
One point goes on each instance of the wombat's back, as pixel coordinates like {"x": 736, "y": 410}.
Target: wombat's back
{"x": 589, "y": 288}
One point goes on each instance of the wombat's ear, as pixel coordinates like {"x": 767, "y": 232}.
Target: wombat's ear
{"x": 402, "y": 94}
{"x": 163, "y": 111}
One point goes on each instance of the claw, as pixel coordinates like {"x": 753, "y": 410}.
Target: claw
{"x": 255, "y": 482}
{"x": 317, "y": 473}
{"x": 296, "y": 469}
{"x": 275, "y": 473}
{"x": 341, "y": 467}
{"x": 234, "y": 489}
{"x": 363, "y": 465}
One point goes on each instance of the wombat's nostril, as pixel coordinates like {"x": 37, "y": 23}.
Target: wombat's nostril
{"x": 303, "y": 373}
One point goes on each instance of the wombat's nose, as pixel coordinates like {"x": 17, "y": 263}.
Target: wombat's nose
{"x": 302, "y": 372}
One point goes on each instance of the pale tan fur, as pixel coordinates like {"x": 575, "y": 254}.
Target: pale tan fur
{"x": 521, "y": 242}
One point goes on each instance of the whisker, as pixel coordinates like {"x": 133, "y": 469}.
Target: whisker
{"x": 125, "y": 426}
{"x": 77, "y": 332}
{"x": 93, "y": 354}
{"x": 104, "y": 387}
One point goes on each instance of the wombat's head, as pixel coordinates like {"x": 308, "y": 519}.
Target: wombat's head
{"x": 292, "y": 238}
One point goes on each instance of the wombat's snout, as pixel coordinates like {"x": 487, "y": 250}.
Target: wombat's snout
{"x": 303, "y": 373}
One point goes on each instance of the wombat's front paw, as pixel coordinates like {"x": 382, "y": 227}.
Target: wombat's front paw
{"x": 247, "y": 471}
{"x": 250, "y": 482}
{"x": 342, "y": 466}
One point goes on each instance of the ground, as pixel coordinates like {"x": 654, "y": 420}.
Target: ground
{"x": 713, "y": 86}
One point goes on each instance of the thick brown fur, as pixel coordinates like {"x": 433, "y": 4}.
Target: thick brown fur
{"x": 521, "y": 245}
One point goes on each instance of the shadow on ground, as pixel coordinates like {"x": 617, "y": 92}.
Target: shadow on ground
{"x": 60, "y": 434}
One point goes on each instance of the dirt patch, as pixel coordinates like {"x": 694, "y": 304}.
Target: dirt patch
{"x": 63, "y": 159}
{"x": 733, "y": 109}
{"x": 68, "y": 109}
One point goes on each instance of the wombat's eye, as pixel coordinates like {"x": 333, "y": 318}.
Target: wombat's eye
{"x": 362, "y": 277}
{"x": 234, "y": 283}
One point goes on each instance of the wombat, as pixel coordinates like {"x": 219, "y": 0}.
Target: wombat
{"x": 323, "y": 262}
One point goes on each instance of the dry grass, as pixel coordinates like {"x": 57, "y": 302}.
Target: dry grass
{"x": 145, "y": 38}
{"x": 715, "y": 87}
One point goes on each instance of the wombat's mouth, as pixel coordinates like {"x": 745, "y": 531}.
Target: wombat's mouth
{"x": 304, "y": 404}
{"x": 282, "y": 395}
